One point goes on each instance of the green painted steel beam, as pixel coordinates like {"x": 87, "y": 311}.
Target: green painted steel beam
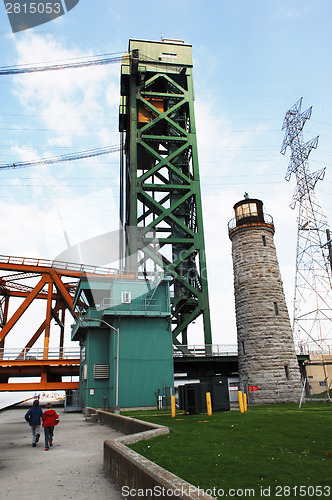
{"x": 162, "y": 187}
{"x": 162, "y": 95}
{"x": 169, "y": 240}
{"x": 165, "y": 187}
{"x": 163, "y": 138}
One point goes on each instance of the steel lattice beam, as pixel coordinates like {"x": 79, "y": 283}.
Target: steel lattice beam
{"x": 161, "y": 187}
{"x": 50, "y": 286}
{"x": 312, "y": 319}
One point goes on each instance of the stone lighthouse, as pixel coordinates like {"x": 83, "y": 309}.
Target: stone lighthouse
{"x": 268, "y": 367}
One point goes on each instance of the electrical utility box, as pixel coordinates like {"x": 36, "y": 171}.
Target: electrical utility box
{"x": 192, "y": 397}
{"x": 126, "y": 341}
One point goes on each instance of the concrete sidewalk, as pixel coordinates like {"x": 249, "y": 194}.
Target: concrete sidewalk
{"x": 72, "y": 468}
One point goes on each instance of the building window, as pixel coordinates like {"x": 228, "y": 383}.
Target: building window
{"x": 168, "y": 55}
{"x": 264, "y": 240}
{"x": 276, "y": 308}
{"x": 243, "y": 347}
{"x": 126, "y": 297}
{"x": 246, "y": 210}
{"x": 287, "y": 372}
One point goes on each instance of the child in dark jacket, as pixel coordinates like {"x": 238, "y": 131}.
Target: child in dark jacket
{"x": 33, "y": 417}
{"x": 50, "y": 419}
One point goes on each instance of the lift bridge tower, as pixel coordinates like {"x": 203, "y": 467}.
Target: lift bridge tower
{"x": 160, "y": 199}
{"x": 312, "y": 321}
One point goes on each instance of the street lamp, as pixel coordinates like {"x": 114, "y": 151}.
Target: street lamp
{"x": 117, "y": 330}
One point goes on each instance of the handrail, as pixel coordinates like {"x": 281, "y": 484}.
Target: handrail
{"x": 39, "y": 353}
{"x": 233, "y": 223}
{"x": 205, "y": 350}
{"x": 114, "y": 303}
{"x": 232, "y": 350}
{"x": 196, "y": 350}
{"x": 56, "y": 264}
{"x": 82, "y": 269}
{"x": 314, "y": 348}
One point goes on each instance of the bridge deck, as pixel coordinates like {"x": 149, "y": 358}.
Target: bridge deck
{"x": 50, "y": 366}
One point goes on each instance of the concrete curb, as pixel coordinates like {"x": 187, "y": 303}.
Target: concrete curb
{"x": 138, "y": 476}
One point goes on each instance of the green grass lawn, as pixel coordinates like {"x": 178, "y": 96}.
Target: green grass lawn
{"x": 269, "y": 446}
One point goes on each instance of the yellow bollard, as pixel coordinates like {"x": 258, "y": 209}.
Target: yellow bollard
{"x": 245, "y": 401}
{"x": 240, "y": 396}
{"x": 173, "y": 406}
{"x": 208, "y": 403}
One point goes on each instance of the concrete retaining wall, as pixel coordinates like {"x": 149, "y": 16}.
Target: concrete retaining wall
{"x": 126, "y": 425}
{"x": 139, "y": 477}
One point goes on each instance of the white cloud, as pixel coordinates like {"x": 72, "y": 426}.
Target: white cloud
{"x": 71, "y": 102}
{"x": 73, "y": 107}
{"x": 287, "y": 12}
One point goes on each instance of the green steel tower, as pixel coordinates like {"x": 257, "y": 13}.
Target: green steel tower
{"x": 160, "y": 199}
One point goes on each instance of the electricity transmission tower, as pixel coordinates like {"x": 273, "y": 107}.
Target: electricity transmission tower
{"x": 312, "y": 320}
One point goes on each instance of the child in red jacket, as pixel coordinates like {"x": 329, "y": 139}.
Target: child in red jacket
{"x": 50, "y": 419}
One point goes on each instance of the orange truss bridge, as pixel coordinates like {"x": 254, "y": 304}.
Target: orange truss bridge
{"x": 23, "y": 281}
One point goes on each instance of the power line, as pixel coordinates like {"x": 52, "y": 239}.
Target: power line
{"x": 57, "y": 159}
{"x": 73, "y": 63}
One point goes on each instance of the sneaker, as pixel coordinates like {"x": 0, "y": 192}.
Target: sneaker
{"x": 34, "y": 445}
{"x": 37, "y": 437}
{"x": 46, "y": 449}
{"x": 51, "y": 443}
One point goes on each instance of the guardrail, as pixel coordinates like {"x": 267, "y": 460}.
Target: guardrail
{"x": 57, "y": 264}
{"x": 236, "y": 221}
{"x": 314, "y": 349}
{"x": 232, "y": 350}
{"x": 144, "y": 305}
{"x": 39, "y": 353}
{"x": 196, "y": 350}
{"x": 206, "y": 350}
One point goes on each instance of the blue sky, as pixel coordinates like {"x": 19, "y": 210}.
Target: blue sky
{"x": 252, "y": 61}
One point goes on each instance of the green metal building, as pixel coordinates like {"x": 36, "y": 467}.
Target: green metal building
{"x": 160, "y": 199}
{"x": 126, "y": 341}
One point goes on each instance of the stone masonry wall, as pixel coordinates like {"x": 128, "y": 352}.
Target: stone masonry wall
{"x": 267, "y": 356}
